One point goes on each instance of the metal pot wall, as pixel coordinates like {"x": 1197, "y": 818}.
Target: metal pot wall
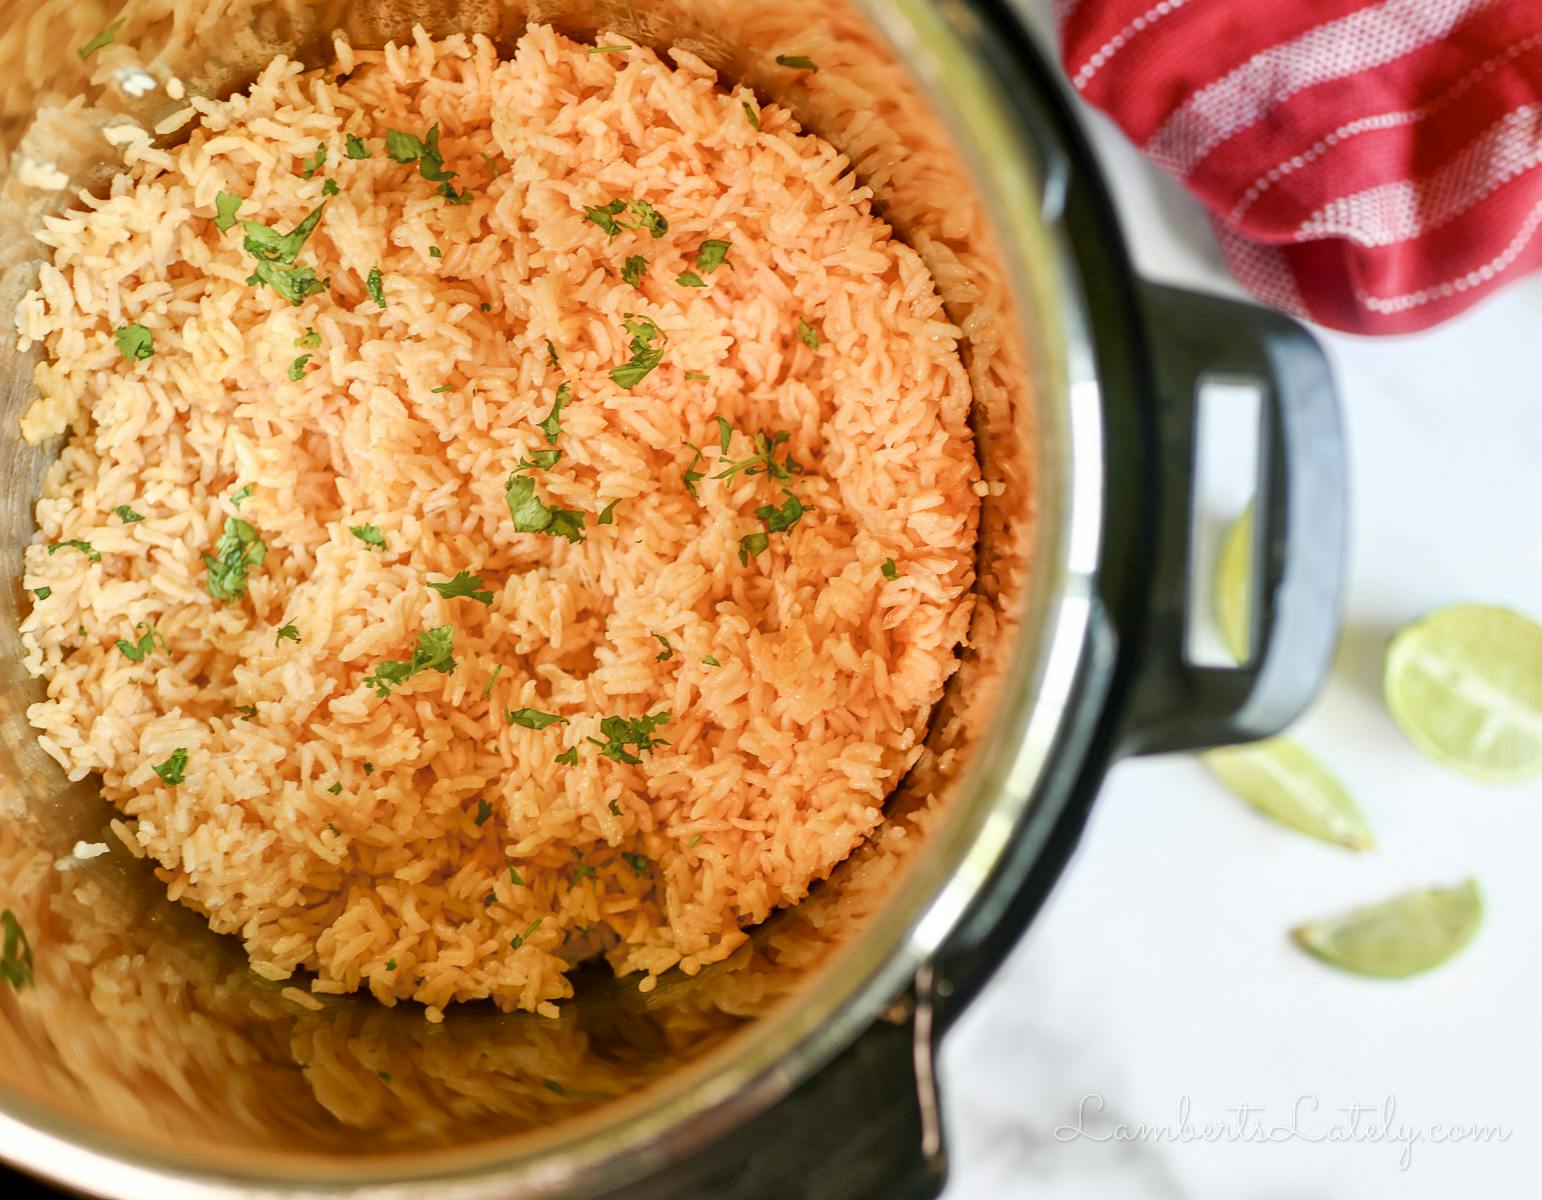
{"x": 149, "y": 1062}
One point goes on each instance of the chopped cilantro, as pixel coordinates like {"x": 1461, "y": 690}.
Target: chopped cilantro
{"x": 890, "y": 571}
{"x": 697, "y": 375}
{"x": 247, "y": 710}
{"x": 645, "y": 355}
{"x": 552, "y": 425}
{"x": 105, "y": 38}
{"x": 369, "y": 768}
{"x": 780, "y": 520}
{"x": 711, "y": 661}
{"x": 608, "y": 49}
{"x": 16, "y": 951}
{"x": 136, "y": 652}
{"x": 226, "y": 205}
{"x": 91, "y": 552}
{"x": 286, "y": 633}
{"x": 43, "y": 593}
{"x": 314, "y": 163}
{"x": 492, "y": 163}
{"x": 239, "y": 550}
{"x": 240, "y": 494}
{"x": 390, "y": 964}
{"x": 752, "y": 544}
{"x": 752, "y": 116}
{"x": 174, "y": 770}
{"x": 540, "y": 460}
{"x": 633, "y": 270}
{"x": 497, "y": 671}
{"x": 441, "y": 389}
{"x": 407, "y": 148}
{"x": 515, "y": 877}
{"x": 569, "y": 757}
{"x": 712, "y": 254}
{"x": 796, "y": 61}
{"x": 354, "y": 147}
{"x": 608, "y": 513}
{"x": 135, "y": 342}
{"x": 615, "y": 808}
{"x": 308, "y": 340}
{"x": 432, "y": 653}
{"x": 297, "y": 368}
{"x": 551, "y": 353}
{"x": 519, "y": 939}
{"x": 127, "y": 515}
{"x": 330, "y": 188}
{"x": 337, "y": 790}
{"x": 649, "y": 218}
{"x": 374, "y": 284}
{"x": 621, "y": 732}
{"x": 581, "y": 872}
{"x": 530, "y": 718}
{"x": 665, "y": 654}
{"x": 370, "y": 535}
{"x": 725, "y": 434}
{"x": 488, "y": 900}
{"x": 435, "y": 252}
{"x": 808, "y": 335}
{"x": 604, "y": 215}
{"x": 641, "y": 864}
{"x": 694, "y": 842}
{"x": 531, "y": 516}
{"x": 449, "y": 193}
{"x": 764, "y": 459}
{"x": 466, "y": 585}
{"x": 690, "y": 279}
{"x": 484, "y": 811}
{"x": 276, "y": 253}
{"x": 551, "y": 1084}
{"x": 692, "y": 475}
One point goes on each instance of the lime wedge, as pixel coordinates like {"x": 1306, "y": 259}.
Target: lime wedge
{"x": 1465, "y": 686}
{"x": 1234, "y": 586}
{"x": 1283, "y": 781}
{"x": 1407, "y": 934}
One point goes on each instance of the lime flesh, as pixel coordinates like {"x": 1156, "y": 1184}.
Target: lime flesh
{"x": 1234, "y": 586}
{"x": 1283, "y": 781}
{"x": 1400, "y": 937}
{"x": 1465, "y": 687}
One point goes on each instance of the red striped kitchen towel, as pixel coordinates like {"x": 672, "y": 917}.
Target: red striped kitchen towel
{"x": 1370, "y": 166}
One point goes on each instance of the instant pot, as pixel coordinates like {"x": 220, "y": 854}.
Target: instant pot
{"x": 147, "y": 1062}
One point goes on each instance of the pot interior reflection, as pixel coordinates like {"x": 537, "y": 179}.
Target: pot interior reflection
{"x": 145, "y": 1031}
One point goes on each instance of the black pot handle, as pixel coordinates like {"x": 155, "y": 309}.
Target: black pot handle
{"x": 1298, "y": 533}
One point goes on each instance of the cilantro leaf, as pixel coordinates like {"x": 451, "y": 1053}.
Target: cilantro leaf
{"x": 484, "y": 812}
{"x": 752, "y": 544}
{"x": 752, "y": 116}
{"x": 699, "y": 376}
{"x": 712, "y": 254}
{"x": 604, "y": 215}
{"x": 641, "y": 864}
{"x": 568, "y": 758}
{"x": 711, "y": 661}
{"x": 692, "y": 475}
{"x": 433, "y": 652}
{"x": 354, "y": 147}
{"x": 241, "y": 494}
{"x": 621, "y": 732}
{"x": 649, "y": 218}
{"x": 374, "y": 284}
{"x": 337, "y": 790}
{"x": 531, "y": 516}
{"x": 645, "y": 355}
{"x": 764, "y": 459}
{"x": 435, "y": 252}
{"x": 518, "y": 939}
{"x": 497, "y": 670}
{"x": 226, "y": 205}
{"x": 136, "y": 652}
{"x": 540, "y": 460}
{"x": 314, "y": 163}
{"x": 552, "y": 425}
{"x": 796, "y": 61}
{"x": 530, "y": 718}
{"x": 127, "y": 515}
{"x": 91, "y": 552}
{"x": 608, "y": 513}
{"x": 286, "y": 633}
{"x": 370, "y": 535}
{"x": 330, "y": 188}
{"x": 690, "y": 279}
{"x": 16, "y": 955}
{"x": 297, "y": 368}
{"x": 135, "y": 342}
{"x": 633, "y": 270}
{"x": 308, "y": 340}
{"x": 239, "y": 549}
{"x": 403, "y": 147}
{"x": 890, "y": 571}
{"x": 106, "y": 38}
{"x": 780, "y": 520}
{"x": 725, "y": 434}
{"x": 174, "y": 770}
{"x": 43, "y": 593}
{"x": 464, "y": 585}
{"x": 808, "y": 335}
{"x": 665, "y": 654}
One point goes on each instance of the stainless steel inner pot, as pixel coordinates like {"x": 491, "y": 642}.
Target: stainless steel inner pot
{"x": 147, "y": 1061}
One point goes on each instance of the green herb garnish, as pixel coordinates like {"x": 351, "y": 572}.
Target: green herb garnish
{"x": 135, "y": 342}
{"x": 725, "y": 434}
{"x": 91, "y": 552}
{"x": 137, "y": 652}
{"x": 552, "y": 425}
{"x": 697, "y": 375}
{"x": 337, "y": 790}
{"x": 276, "y": 253}
{"x": 492, "y": 163}
{"x": 464, "y": 585}
{"x": 641, "y": 864}
{"x": 241, "y": 494}
{"x": 764, "y": 459}
{"x": 484, "y": 811}
{"x": 608, "y": 49}
{"x": 297, "y": 368}
{"x": 604, "y": 215}
{"x": 751, "y": 116}
{"x": 608, "y": 513}
{"x": 433, "y": 652}
{"x": 569, "y": 757}
{"x": 498, "y": 668}
{"x": 390, "y": 964}
{"x": 406, "y": 148}
{"x": 621, "y": 732}
{"x": 808, "y": 335}
{"x": 369, "y": 768}
{"x": 711, "y": 661}
{"x": 752, "y": 544}
{"x": 314, "y": 163}
{"x": 105, "y": 38}
{"x": 286, "y": 633}
{"x": 665, "y": 654}
{"x": 645, "y": 355}
{"x": 330, "y": 188}
{"x": 796, "y": 61}
{"x": 649, "y": 218}
{"x": 633, "y": 270}
{"x": 239, "y": 550}
{"x": 690, "y": 279}
{"x": 435, "y": 252}
{"x": 530, "y": 718}
{"x": 247, "y": 710}
{"x": 174, "y": 770}
{"x": 712, "y": 254}
{"x": 370, "y": 535}
{"x": 692, "y": 475}
{"x": 531, "y": 516}
{"x": 354, "y": 147}
{"x": 449, "y": 193}
{"x": 43, "y": 593}
{"x": 374, "y": 284}
{"x": 226, "y": 205}
{"x": 126, "y": 514}
{"x": 308, "y": 340}
{"x": 16, "y": 951}
{"x": 519, "y": 939}
{"x": 694, "y": 842}
{"x": 890, "y": 571}
{"x": 515, "y": 877}
{"x": 540, "y": 460}
{"x": 582, "y": 872}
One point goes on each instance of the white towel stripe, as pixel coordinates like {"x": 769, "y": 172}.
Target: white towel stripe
{"x": 1354, "y": 43}
{"x": 1120, "y": 40}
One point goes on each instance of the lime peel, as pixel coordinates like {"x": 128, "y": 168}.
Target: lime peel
{"x": 1284, "y": 782}
{"x": 1399, "y": 937}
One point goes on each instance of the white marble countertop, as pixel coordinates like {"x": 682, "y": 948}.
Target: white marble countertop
{"x": 1158, "y": 989}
